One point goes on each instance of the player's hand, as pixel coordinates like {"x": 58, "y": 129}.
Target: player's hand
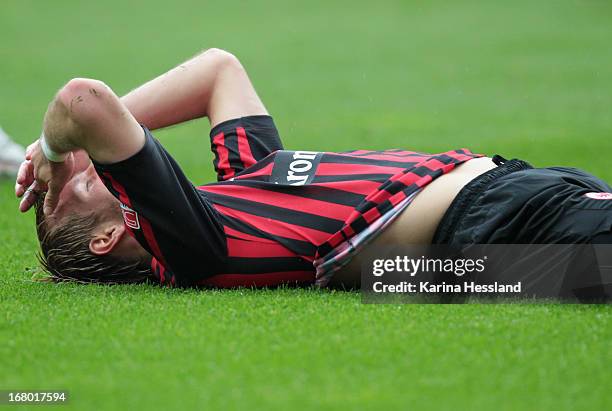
{"x": 26, "y": 187}
{"x": 48, "y": 175}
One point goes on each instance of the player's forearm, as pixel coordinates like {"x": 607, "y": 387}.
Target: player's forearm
{"x": 181, "y": 94}
{"x": 61, "y": 133}
{"x": 167, "y": 100}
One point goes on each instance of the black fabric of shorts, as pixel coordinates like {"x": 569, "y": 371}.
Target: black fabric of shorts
{"x": 516, "y": 203}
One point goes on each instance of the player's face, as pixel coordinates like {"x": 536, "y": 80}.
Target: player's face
{"x": 85, "y": 192}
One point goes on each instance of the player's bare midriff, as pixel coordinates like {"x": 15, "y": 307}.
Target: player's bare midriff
{"x": 418, "y": 223}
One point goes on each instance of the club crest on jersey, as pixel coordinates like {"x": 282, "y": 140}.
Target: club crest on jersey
{"x": 295, "y": 168}
{"x": 130, "y": 217}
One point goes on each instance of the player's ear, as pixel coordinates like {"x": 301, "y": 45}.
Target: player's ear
{"x": 106, "y": 238}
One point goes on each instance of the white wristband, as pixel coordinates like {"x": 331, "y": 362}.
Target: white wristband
{"x": 49, "y": 153}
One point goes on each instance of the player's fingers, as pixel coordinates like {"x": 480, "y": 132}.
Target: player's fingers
{"x": 59, "y": 174}
{"x": 27, "y": 201}
{"x": 29, "y": 175}
{"x": 29, "y": 198}
{"x": 21, "y": 173}
{"x": 19, "y": 190}
{"x": 51, "y": 198}
{"x": 25, "y": 175}
{"x": 30, "y": 149}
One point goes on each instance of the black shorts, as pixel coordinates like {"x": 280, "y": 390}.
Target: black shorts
{"x": 515, "y": 203}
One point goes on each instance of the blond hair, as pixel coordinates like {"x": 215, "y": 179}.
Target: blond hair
{"x": 65, "y": 253}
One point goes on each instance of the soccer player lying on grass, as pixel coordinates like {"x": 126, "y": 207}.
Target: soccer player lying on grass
{"x": 274, "y": 217}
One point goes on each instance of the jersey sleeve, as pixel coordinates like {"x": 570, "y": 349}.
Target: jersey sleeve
{"x": 168, "y": 216}
{"x": 239, "y": 143}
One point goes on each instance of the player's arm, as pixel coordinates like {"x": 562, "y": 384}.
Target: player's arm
{"x": 213, "y": 84}
{"x": 84, "y": 115}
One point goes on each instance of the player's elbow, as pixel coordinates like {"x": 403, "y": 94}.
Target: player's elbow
{"x": 83, "y": 87}
{"x": 83, "y": 98}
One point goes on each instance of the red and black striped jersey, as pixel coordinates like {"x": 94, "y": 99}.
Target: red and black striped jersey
{"x": 272, "y": 211}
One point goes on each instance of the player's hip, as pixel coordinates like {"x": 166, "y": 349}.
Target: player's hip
{"x": 518, "y": 204}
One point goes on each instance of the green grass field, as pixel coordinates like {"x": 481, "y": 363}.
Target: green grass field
{"x": 525, "y": 79}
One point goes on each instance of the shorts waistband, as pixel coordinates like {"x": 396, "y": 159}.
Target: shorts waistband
{"x": 470, "y": 193}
